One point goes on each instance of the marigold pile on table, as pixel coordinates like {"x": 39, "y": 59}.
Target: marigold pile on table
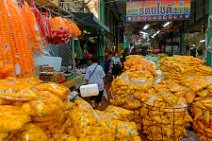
{"x": 32, "y": 110}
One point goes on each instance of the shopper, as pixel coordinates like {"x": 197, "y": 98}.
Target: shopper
{"x": 107, "y": 64}
{"x": 96, "y": 74}
{"x": 116, "y": 65}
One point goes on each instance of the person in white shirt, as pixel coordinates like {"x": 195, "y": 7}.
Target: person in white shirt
{"x": 96, "y": 74}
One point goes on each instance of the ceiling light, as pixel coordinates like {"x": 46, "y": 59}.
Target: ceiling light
{"x": 166, "y": 24}
{"x": 141, "y": 32}
{"x": 146, "y": 26}
{"x": 153, "y": 36}
{"x": 157, "y": 32}
{"x": 202, "y": 41}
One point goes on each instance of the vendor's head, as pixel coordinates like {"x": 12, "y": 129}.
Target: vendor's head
{"x": 116, "y": 54}
{"x": 94, "y": 59}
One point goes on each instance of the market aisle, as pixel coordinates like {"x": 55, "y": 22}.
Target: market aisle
{"x": 105, "y": 103}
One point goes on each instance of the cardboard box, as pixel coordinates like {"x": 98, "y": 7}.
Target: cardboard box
{"x": 54, "y": 77}
{"x": 46, "y": 69}
{"x": 55, "y": 2}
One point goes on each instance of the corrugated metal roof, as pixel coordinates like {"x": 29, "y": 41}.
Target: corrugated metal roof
{"x": 89, "y": 20}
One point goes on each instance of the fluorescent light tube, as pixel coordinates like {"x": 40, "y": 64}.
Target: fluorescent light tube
{"x": 166, "y": 24}
{"x": 202, "y": 41}
{"x": 146, "y": 26}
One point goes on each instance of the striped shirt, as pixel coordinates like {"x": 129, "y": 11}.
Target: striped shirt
{"x": 97, "y": 76}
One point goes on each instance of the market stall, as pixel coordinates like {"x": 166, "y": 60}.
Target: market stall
{"x": 34, "y": 110}
{"x": 59, "y": 35}
{"x": 166, "y": 98}
{"x": 94, "y": 33}
{"x": 172, "y": 103}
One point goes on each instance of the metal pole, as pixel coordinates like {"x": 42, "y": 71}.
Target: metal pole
{"x": 181, "y": 38}
{"x": 209, "y": 33}
{"x": 102, "y": 11}
{"x": 102, "y": 19}
{"x": 73, "y": 53}
{"x": 172, "y": 44}
{"x": 164, "y": 51}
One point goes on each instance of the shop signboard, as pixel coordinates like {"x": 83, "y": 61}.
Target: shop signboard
{"x": 158, "y": 10}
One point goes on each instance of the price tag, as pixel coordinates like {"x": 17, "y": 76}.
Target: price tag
{"x": 36, "y": 27}
{"x": 17, "y": 69}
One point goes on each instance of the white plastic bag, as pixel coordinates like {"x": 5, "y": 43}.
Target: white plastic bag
{"x": 105, "y": 95}
{"x": 89, "y": 90}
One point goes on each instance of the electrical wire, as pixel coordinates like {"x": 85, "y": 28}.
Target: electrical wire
{"x": 115, "y": 1}
{"x": 82, "y": 21}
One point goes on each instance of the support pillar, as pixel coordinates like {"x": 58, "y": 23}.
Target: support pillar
{"x": 172, "y": 44}
{"x": 165, "y": 36}
{"x": 102, "y": 11}
{"x": 73, "y": 53}
{"x": 181, "y": 38}
{"x": 209, "y": 35}
{"x": 102, "y": 19}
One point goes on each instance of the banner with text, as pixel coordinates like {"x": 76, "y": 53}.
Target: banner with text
{"x": 158, "y": 10}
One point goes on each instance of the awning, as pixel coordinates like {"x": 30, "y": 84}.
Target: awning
{"x": 89, "y": 20}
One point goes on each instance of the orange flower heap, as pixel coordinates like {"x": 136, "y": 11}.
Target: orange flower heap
{"x": 137, "y": 63}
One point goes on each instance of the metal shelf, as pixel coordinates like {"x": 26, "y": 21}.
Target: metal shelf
{"x": 57, "y": 10}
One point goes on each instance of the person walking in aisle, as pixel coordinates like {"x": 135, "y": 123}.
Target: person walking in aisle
{"x": 116, "y": 65}
{"x": 96, "y": 74}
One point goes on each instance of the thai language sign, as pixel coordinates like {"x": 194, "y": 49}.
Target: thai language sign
{"x": 158, "y": 10}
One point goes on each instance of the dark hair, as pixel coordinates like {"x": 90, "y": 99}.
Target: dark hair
{"x": 94, "y": 59}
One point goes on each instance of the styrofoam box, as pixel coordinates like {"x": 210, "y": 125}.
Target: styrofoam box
{"x": 89, "y": 90}
{"x": 49, "y": 60}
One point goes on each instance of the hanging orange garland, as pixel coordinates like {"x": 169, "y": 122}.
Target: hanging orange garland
{"x": 16, "y": 51}
{"x": 75, "y": 31}
{"x": 32, "y": 28}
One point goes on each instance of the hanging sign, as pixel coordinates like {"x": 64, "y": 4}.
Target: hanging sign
{"x": 158, "y": 10}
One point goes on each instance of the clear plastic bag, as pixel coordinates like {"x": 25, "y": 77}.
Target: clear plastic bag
{"x": 42, "y": 20}
{"x": 12, "y": 118}
{"x": 32, "y": 28}
{"x": 45, "y": 104}
{"x": 24, "y": 94}
{"x": 105, "y": 95}
{"x": 32, "y": 133}
{"x": 119, "y": 113}
{"x": 56, "y": 89}
{"x": 60, "y": 32}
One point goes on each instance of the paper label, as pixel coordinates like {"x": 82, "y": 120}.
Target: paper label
{"x": 6, "y": 47}
{"x": 17, "y": 69}
{"x": 75, "y": 38}
{"x": 36, "y": 27}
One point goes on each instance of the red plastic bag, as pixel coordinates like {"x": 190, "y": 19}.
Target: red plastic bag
{"x": 42, "y": 20}
{"x": 60, "y": 33}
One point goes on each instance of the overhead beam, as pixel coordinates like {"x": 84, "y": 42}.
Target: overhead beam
{"x": 115, "y": 4}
